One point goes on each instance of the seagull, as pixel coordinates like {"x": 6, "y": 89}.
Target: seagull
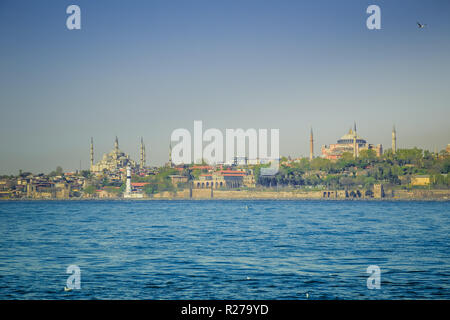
{"x": 421, "y": 26}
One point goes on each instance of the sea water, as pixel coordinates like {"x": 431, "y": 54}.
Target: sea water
{"x": 224, "y": 249}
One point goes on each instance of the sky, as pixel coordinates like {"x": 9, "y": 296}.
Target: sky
{"x": 146, "y": 68}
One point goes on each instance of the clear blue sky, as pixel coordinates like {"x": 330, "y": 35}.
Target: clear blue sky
{"x": 145, "y": 68}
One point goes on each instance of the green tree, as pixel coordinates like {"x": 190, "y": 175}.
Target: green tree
{"x": 347, "y": 156}
{"x": 90, "y": 190}
{"x": 85, "y": 173}
{"x": 59, "y": 171}
{"x": 346, "y": 182}
{"x": 368, "y": 154}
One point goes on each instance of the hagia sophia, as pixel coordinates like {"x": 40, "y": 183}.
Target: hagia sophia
{"x": 351, "y": 143}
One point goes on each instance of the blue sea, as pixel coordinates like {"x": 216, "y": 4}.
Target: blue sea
{"x": 225, "y": 249}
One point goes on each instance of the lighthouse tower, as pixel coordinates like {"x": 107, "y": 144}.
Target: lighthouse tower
{"x": 128, "y": 186}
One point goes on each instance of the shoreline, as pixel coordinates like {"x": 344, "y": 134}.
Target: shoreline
{"x": 227, "y": 199}
{"x": 253, "y": 195}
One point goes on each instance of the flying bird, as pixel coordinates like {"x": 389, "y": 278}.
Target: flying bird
{"x": 420, "y": 25}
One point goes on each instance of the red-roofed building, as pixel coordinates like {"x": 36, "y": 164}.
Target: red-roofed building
{"x": 139, "y": 184}
{"x": 138, "y": 187}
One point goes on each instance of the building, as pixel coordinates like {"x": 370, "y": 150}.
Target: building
{"x": 420, "y": 180}
{"x": 351, "y": 143}
{"x": 225, "y": 179}
{"x": 378, "y": 191}
{"x": 138, "y": 186}
{"x": 112, "y": 161}
{"x": 62, "y": 190}
{"x": 249, "y": 180}
{"x": 177, "y": 179}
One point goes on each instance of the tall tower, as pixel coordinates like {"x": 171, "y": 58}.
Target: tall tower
{"x": 394, "y": 140}
{"x": 128, "y": 185}
{"x": 355, "y": 145}
{"x": 116, "y": 145}
{"x": 311, "y": 145}
{"x": 92, "y": 152}
{"x": 142, "y": 153}
{"x": 170, "y": 154}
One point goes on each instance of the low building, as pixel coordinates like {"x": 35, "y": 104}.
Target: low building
{"x": 138, "y": 186}
{"x": 249, "y": 181}
{"x": 177, "y": 179}
{"x": 225, "y": 179}
{"x": 420, "y": 180}
{"x": 62, "y": 190}
{"x": 378, "y": 191}
{"x": 40, "y": 190}
{"x": 5, "y": 194}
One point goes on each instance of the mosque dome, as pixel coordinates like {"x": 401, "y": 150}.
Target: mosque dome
{"x": 348, "y": 138}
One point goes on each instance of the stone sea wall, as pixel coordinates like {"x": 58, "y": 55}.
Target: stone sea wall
{"x": 251, "y": 194}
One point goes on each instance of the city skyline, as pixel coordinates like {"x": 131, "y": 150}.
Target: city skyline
{"x": 143, "y": 69}
{"x": 315, "y": 151}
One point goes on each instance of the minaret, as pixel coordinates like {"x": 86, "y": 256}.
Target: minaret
{"x": 311, "y": 145}
{"x": 92, "y": 152}
{"x": 145, "y": 156}
{"x": 394, "y": 140}
{"x": 355, "y": 146}
{"x": 116, "y": 145}
{"x": 170, "y": 153}
{"x": 142, "y": 153}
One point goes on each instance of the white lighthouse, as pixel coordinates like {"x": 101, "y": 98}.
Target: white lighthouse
{"x": 128, "y": 187}
{"x": 128, "y": 192}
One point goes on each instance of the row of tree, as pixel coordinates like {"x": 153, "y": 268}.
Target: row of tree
{"x": 363, "y": 171}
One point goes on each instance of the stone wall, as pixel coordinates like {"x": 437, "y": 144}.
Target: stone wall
{"x": 340, "y": 194}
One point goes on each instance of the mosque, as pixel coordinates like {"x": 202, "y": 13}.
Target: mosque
{"x": 352, "y": 143}
{"x": 116, "y": 159}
